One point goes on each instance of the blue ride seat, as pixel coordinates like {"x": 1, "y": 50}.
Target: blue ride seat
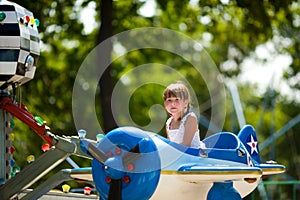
{"x": 182, "y": 148}
{"x": 225, "y": 146}
{"x": 222, "y": 140}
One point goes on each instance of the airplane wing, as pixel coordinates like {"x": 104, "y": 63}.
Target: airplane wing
{"x": 200, "y": 173}
{"x": 82, "y": 173}
{"x": 269, "y": 169}
{"x": 215, "y": 174}
{"x": 203, "y": 173}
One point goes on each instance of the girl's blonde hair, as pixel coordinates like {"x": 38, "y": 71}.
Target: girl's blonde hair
{"x": 178, "y": 90}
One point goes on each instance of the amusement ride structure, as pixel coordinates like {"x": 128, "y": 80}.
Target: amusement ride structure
{"x": 128, "y": 163}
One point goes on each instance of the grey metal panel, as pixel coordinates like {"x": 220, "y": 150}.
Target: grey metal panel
{"x": 11, "y": 17}
{"x": 2, "y": 149}
{"x": 34, "y": 47}
{"x": 5, "y": 143}
{"x": 24, "y": 32}
{"x": 9, "y": 42}
{"x": 25, "y": 43}
{"x": 8, "y": 67}
{"x": 15, "y": 34}
{"x": 16, "y": 79}
{"x": 22, "y": 56}
{"x": 33, "y": 31}
{"x": 29, "y": 74}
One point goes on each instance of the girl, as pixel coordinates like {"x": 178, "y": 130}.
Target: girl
{"x": 182, "y": 126}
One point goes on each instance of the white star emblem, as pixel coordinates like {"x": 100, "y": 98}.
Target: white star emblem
{"x": 253, "y": 145}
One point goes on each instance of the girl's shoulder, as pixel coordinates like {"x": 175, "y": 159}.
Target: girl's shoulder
{"x": 189, "y": 116}
{"x": 169, "y": 121}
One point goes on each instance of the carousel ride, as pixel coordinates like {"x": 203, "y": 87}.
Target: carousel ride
{"x": 128, "y": 163}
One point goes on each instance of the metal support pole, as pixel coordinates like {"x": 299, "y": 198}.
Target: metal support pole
{"x": 2, "y": 148}
{"x": 237, "y": 104}
{"x": 58, "y": 178}
{"x": 280, "y": 132}
{"x": 33, "y": 172}
{"x": 6, "y": 156}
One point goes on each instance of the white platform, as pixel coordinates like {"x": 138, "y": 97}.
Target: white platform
{"x": 58, "y": 195}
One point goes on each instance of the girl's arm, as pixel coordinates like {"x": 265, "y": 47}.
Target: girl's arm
{"x": 190, "y": 127}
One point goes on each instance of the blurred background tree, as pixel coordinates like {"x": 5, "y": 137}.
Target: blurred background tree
{"x": 231, "y": 31}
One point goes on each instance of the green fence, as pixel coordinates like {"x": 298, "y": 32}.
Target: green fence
{"x": 281, "y": 190}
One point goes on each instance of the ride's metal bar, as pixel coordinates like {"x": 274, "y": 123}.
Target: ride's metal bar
{"x": 237, "y": 104}
{"x": 94, "y": 151}
{"x": 58, "y": 178}
{"x": 3, "y": 168}
{"x": 72, "y": 162}
{"x": 25, "y": 116}
{"x": 33, "y": 172}
{"x": 279, "y": 133}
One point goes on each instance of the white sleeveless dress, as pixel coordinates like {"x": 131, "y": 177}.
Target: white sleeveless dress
{"x": 176, "y": 135}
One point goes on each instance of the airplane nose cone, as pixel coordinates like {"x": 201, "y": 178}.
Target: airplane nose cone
{"x": 113, "y": 167}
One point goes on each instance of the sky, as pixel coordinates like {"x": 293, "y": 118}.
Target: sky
{"x": 268, "y": 73}
{"x": 87, "y": 16}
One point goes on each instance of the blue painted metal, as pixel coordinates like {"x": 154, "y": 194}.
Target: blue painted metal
{"x": 145, "y": 175}
{"x": 247, "y": 135}
{"x": 224, "y": 191}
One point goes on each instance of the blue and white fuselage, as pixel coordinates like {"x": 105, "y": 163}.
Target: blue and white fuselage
{"x": 157, "y": 168}
{"x": 186, "y": 176}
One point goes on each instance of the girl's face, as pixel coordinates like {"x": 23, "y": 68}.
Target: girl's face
{"x": 175, "y": 105}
